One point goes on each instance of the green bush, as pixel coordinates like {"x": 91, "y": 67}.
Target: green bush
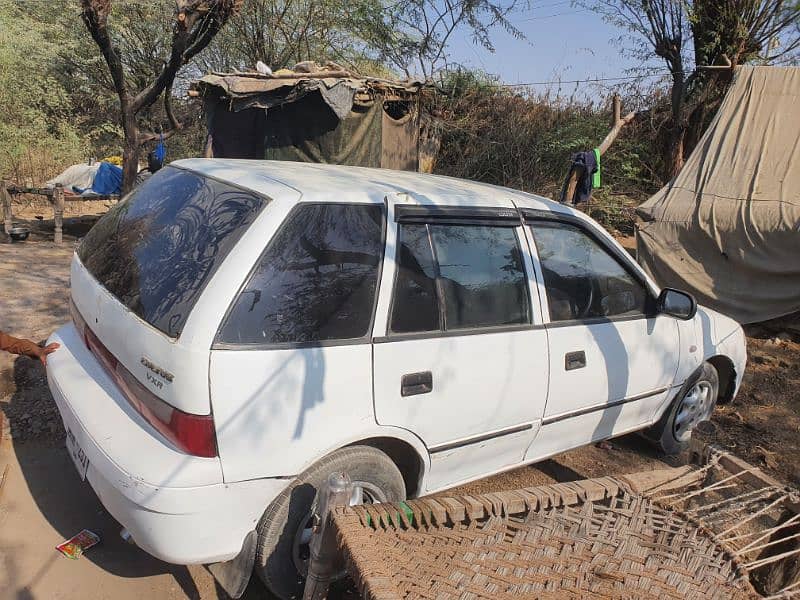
{"x": 493, "y": 134}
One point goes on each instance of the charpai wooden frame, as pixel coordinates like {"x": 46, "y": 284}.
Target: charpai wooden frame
{"x": 55, "y": 196}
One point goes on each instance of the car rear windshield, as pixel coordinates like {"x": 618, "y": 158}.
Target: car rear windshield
{"x": 156, "y": 250}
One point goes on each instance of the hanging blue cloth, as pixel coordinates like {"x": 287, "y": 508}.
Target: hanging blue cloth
{"x": 160, "y": 151}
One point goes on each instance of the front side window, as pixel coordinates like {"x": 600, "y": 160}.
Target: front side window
{"x": 316, "y": 280}
{"x": 583, "y": 281}
{"x": 158, "y": 248}
{"x": 473, "y": 275}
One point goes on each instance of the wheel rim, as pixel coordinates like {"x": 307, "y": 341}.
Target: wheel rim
{"x": 363, "y": 493}
{"x": 696, "y": 406}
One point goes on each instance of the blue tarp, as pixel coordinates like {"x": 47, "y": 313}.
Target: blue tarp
{"x": 107, "y": 181}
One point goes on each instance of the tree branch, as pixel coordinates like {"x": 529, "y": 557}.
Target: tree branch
{"x": 94, "y": 14}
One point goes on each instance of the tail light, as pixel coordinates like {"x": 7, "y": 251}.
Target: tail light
{"x": 194, "y": 434}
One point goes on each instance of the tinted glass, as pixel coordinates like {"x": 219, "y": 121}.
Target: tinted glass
{"x": 157, "y": 248}
{"x": 316, "y": 281}
{"x": 482, "y": 277}
{"x": 415, "y": 306}
{"x": 582, "y": 279}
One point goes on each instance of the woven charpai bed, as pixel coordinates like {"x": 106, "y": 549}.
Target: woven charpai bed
{"x": 694, "y": 532}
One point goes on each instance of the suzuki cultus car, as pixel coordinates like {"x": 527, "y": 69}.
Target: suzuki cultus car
{"x": 241, "y": 329}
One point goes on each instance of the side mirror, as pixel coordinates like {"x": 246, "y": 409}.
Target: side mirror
{"x": 676, "y": 303}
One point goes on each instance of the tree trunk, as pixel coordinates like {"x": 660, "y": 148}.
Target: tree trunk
{"x": 673, "y": 151}
{"x": 130, "y": 153}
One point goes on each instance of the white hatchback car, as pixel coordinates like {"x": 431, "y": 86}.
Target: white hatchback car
{"x": 241, "y": 329}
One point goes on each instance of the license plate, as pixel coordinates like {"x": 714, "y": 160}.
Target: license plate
{"x": 78, "y": 456}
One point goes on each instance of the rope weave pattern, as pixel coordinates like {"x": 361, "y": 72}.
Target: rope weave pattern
{"x": 591, "y": 538}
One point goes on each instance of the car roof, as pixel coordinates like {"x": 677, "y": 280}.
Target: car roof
{"x": 337, "y": 183}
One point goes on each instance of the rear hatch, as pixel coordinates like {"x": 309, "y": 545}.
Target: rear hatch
{"x": 135, "y": 279}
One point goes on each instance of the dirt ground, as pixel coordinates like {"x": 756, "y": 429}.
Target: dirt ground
{"x": 43, "y": 502}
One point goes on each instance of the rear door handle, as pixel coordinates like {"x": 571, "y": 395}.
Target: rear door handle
{"x": 574, "y": 360}
{"x": 412, "y": 384}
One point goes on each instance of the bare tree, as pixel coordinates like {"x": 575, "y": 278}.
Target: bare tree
{"x": 194, "y": 25}
{"x": 414, "y": 34}
{"x": 410, "y": 36}
{"x": 281, "y": 33}
{"x": 691, "y": 35}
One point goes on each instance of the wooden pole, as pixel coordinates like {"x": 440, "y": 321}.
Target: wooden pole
{"x": 8, "y": 217}
{"x": 58, "y": 212}
{"x": 323, "y": 563}
{"x": 617, "y": 123}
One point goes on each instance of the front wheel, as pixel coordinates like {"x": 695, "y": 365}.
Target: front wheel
{"x": 284, "y": 532}
{"x": 694, "y": 404}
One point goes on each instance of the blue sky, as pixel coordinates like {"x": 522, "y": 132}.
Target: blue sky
{"x": 562, "y": 41}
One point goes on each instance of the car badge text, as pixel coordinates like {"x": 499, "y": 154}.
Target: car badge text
{"x": 164, "y": 374}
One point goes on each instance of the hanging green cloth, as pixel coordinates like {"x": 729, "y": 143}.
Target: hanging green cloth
{"x": 596, "y": 174}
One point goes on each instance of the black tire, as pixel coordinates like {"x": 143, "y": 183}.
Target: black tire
{"x": 673, "y": 436}
{"x": 277, "y": 550}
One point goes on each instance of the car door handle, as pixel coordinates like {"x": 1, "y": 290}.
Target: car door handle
{"x": 412, "y": 384}
{"x": 574, "y": 360}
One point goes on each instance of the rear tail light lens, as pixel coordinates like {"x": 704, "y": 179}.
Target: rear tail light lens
{"x": 193, "y": 434}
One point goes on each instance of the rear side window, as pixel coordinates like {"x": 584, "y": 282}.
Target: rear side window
{"x": 316, "y": 280}
{"x": 479, "y": 272}
{"x": 415, "y": 306}
{"x": 156, "y": 250}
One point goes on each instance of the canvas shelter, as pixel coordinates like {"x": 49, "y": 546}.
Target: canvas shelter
{"x": 317, "y": 114}
{"x": 727, "y": 228}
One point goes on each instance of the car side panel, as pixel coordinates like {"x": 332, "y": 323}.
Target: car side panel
{"x": 624, "y": 359}
{"x": 274, "y": 409}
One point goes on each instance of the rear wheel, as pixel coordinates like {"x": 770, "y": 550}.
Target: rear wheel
{"x": 285, "y": 529}
{"x": 694, "y": 404}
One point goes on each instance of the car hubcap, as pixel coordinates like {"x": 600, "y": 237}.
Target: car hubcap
{"x": 696, "y": 406}
{"x": 363, "y": 493}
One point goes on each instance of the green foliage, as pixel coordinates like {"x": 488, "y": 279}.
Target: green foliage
{"x": 492, "y": 134}
{"x": 37, "y": 129}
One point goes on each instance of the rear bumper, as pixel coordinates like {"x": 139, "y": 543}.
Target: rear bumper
{"x": 175, "y": 506}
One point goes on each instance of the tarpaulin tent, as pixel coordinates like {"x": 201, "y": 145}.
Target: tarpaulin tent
{"x": 727, "y": 228}
{"x": 325, "y": 116}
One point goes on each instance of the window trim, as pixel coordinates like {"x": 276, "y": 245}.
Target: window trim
{"x": 457, "y": 215}
{"x": 531, "y": 216}
{"x": 365, "y": 339}
{"x": 443, "y": 331}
